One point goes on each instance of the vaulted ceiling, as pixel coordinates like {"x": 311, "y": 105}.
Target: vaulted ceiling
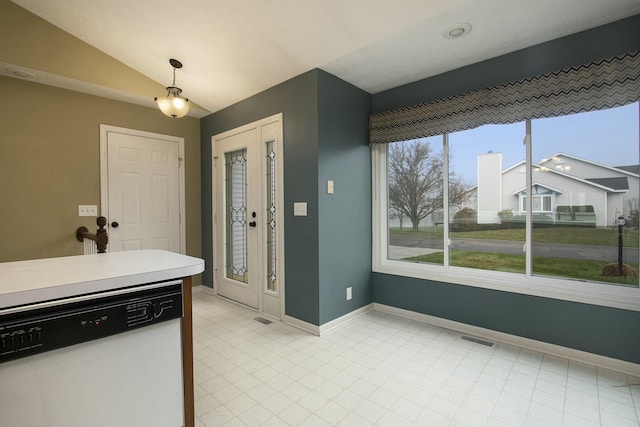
{"x": 234, "y": 49}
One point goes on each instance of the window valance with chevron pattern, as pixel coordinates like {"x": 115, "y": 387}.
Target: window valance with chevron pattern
{"x": 608, "y": 83}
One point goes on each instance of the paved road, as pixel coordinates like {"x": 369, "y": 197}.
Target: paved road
{"x": 555, "y": 250}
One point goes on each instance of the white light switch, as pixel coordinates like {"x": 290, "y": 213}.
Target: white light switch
{"x": 330, "y": 186}
{"x": 300, "y": 209}
{"x": 87, "y": 210}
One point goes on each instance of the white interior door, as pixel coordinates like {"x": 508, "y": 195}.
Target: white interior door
{"x": 142, "y": 195}
{"x": 247, "y": 165}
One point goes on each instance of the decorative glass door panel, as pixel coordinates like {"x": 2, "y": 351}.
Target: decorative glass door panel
{"x": 236, "y": 215}
{"x": 272, "y": 231}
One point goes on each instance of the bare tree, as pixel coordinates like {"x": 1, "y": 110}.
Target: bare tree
{"x": 415, "y": 181}
{"x": 395, "y": 214}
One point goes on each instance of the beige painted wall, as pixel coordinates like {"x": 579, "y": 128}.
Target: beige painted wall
{"x": 50, "y": 164}
{"x": 29, "y": 41}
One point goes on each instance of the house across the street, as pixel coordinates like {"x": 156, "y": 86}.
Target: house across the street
{"x": 566, "y": 189}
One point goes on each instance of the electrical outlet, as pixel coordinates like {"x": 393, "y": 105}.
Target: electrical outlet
{"x": 87, "y": 210}
{"x": 349, "y": 294}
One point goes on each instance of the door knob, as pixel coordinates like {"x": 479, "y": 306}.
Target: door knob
{"x": 114, "y": 224}
{"x": 252, "y": 224}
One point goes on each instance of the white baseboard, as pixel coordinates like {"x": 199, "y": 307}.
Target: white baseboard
{"x": 329, "y": 326}
{"x": 302, "y": 325}
{"x": 336, "y": 323}
{"x": 491, "y": 335}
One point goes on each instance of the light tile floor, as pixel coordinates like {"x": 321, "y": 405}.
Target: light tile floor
{"x": 382, "y": 370}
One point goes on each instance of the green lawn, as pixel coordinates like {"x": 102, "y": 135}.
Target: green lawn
{"x": 571, "y": 235}
{"x": 559, "y": 267}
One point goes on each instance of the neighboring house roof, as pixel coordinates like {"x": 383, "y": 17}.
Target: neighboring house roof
{"x": 632, "y": 170}
{"x": 575, "y": 178}
{"x": 521, "y": 162}
{"x": 619, "y": 183}
{"x": 523, "y": 189}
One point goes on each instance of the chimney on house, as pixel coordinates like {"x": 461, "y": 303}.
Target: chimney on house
{"x": 489, "y": 187}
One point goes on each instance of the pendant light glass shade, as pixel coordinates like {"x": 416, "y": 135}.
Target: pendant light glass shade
{"x": 173, "y": 105}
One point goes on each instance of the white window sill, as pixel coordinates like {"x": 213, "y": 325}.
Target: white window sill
{"x": 607, "y": 295}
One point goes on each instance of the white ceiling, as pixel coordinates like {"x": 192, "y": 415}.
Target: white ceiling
{"x": 236, "y": 48}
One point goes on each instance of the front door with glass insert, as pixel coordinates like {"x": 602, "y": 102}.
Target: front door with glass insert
{"x": 247, "y": 220}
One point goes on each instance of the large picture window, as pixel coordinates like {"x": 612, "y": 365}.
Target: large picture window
{"x": 455, "y": 206}
{"x": 415, "y": 204}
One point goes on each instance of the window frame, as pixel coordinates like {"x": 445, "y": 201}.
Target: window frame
{"x": 541, "y": 197}
{"x": 608, "y": 295}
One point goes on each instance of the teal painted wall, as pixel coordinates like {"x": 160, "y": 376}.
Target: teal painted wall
{"x": 325, "y": 124}
{"x": 600, "y": 330}
{"x": 297, "y": 99}
{"x": 344, "y": 217}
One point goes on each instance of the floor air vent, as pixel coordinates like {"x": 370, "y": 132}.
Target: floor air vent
{"x": 263, "y": 320}
{"x": 477, "y": 340}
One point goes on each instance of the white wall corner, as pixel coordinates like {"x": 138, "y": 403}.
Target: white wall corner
{"x": 329, "y": 326}
{"x": 342, "y": 320}
{"x": 302, "y": 325}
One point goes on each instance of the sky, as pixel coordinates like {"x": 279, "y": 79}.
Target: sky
{"x": 608, "y": 137}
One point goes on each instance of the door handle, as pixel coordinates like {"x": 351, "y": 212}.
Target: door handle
{"x": 114, "y": 224}
{"x": 252, "y": 224}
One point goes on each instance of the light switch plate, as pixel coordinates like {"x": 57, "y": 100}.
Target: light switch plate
{"x": 87, "y": 210}
{"x": 330, "y": 186}
{"x": 300, "y": 209}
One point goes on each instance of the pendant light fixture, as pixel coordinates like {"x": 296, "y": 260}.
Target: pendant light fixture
{"x": 173, "y": 105}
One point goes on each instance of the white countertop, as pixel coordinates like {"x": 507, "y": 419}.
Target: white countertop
{"x": 27, "y": 282}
